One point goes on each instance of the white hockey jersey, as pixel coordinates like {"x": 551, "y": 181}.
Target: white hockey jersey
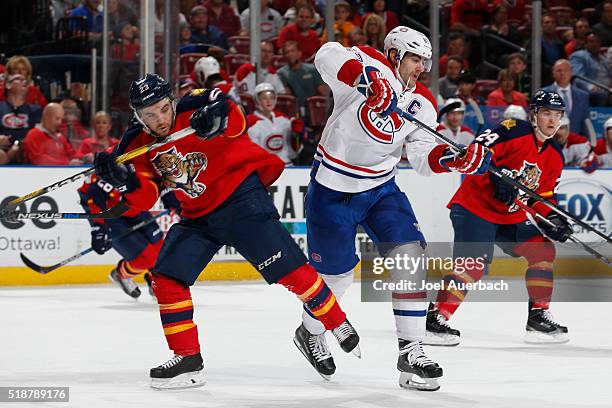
{"x": 576, "y": 150}
{"x": 245, "y": 79}
{"x": 273, "y": 135}
{"x": 358, "y": 149}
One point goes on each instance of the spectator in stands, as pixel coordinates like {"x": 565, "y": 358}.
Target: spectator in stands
{"x": 576, "y": 100}
{"x": 223, "y": 16}
{"x": 301, "y": 33}
{"x": 581, "y": 29}
{"x": 202, "y": 32}
{"x": 120, "y": 13}
{"x": 589, "y": 63}
{"x": 17, "y": 116}
{"x": 186, "y": 85}
{"x": 517, "y": 65}
{"x": 552, "y": 49}
{"x": 388, "y": 16}
{"x": 356, "y": 37}
{"x": 465, "y": 87}
{"x": 44, "y": 145}
{"x": 497, "y": 50}
{"x": 270, "y": 24}
{"x": 291, "y": 14}
{"x": 127, "y": 47}
{"x": 89, "y": 10}
{"x": 301, "y": 79}
{"x": 469, "y": 16}
{"x": 71, "y": 127}
{"x": 604, "y": 27}
{"x": 425, "y": 79}
{"x": 452, "y": 123}
{"x": 342, "y": 25}
{"x": 505, "y": 94}
{"x": 448, "y": 83}
{"x": 375, "y": 31}
{"x": 101, "y": 139}
{"x": 455, "y": 45}
{"x": 18, "y": 64}
{"x": 577, "y": 151}
{"x": 516, "y": 8}
{"x": 245, "y": 80}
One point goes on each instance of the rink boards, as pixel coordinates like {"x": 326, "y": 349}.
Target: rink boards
{"x": 48, "y": 242}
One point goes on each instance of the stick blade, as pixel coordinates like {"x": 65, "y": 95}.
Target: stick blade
{"x": 36, "y": 268}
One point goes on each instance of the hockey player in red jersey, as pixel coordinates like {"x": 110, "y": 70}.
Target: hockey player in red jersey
{"x": 219, "y": 177}
{"x": 484, "y": 212}
{"x": 138, "y": 249}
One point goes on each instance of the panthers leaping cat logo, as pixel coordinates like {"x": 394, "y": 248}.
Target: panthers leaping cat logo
{"x": 180, "y": 171}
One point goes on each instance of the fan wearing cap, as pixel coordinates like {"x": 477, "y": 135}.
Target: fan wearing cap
{"x": 208, "y": 74}
{"x": 271, "y": 129}
{"x": 484, "y": 212}
{"x": 577, "y": 150}
{"x": 452, "y": 126}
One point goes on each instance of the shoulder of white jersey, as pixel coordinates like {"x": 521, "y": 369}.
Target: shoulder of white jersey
{"x": 374, "y": 54}
{"x": 441, "y": 127}
{"x": 252, "y": 119}
{"x": 466, "y": 129}
{"x": 422, "y": 90}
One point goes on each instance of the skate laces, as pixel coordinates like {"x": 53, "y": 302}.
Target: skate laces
{"x": 546, "y": 315}
{"x": 441, "y": 320}
{"x": 318, "y": 346}
{"x": 416, "y": 355}
{"x": 343, "y": 331}
{"x": 173, "y": 361}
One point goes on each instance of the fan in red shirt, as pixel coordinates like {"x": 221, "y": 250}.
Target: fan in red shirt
{"x": 486, "y": 211}
{"x": 100, "y": 141}
{"x": 504, "y": 94}
{"x": 44, "y": 145}
{"x": 219, "y": 177}
{"x": 301, "y": 33}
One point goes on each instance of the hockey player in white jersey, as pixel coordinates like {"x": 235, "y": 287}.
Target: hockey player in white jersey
{"x": 352, "y": 183}
{"x": 271, "y": 129}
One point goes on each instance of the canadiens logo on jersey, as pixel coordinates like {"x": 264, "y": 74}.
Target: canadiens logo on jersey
{"x": 180, "y": 172}
{"x": 275, "y": 143}
{"x": 529, "y": 176}
{"x": 378, "y": 128}
{"x": 15, "y": 121}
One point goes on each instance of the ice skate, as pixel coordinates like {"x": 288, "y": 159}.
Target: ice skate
{"x": 439, "y": 332}
{"x": 347, "y": 338}
{"x": 126, "y": 283}
{"x": 418, "y": 372}
{"x": 542, "y": 328}
{"x": 178, "y": 373}
{"x": 314, "y": 348}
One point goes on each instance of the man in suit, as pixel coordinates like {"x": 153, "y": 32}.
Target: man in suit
{"x": 576, "y": 100}
{"x": 590, "y": 64}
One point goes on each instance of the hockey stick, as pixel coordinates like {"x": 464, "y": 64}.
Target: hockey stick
{"x": 46, "y": 269}
{"x": 113, "y": 212}
{"x": 121, "y": 159}
{"x": 584, "y": 246}
{"x": 509, "y": 180}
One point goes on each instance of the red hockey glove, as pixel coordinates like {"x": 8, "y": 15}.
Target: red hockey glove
{"x": 381, "y": 97}
{"x": 476, "y": 160}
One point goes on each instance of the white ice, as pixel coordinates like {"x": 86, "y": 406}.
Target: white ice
{"x": 101, "y": 344}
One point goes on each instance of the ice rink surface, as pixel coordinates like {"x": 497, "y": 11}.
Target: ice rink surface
{"x": 101, "y": 344}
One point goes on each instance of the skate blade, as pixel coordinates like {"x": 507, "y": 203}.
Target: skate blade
{"x": 411, "y": 381}
{"x": 134, "y": 294}
{"x": 356, "y": 351}
{"x": 193, "y": 379}
{"x": 326, "y": 377}
{"x": 534, "y": 337}
{"x": 438, "y": 339}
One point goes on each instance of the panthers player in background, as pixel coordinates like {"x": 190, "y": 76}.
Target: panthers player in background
{"x": 353, "y": 183}
{"x": 138, "y": 249}
{"x": 271, "y": 129}
{"x": 220, "y": 177}
{"x": 484, "y": 212}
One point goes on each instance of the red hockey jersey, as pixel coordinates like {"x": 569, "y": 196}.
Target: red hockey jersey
{"x": 535, "y": 164}
{"x": 202, "y": 173}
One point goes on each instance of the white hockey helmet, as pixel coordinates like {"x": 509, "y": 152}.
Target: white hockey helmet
{"x": 450, "y": 101}
{"x": 515, "y": 112}
{"x": 404, "y": 39}
{"x": 608, "y": 124}
{"x": 263, "y": 87}
{"x": 205, "y": 67}
{"x": 564, "y": 121}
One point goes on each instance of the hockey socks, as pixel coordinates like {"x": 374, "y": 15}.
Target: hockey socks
{"x": 176, "y": 311}
{"x": 312, "y": 290}
{"x": 409, "y": 310}
{"x": 144, "y": 261}
{"x": 540, "y": 254}
{"x": 450, "y": 298}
